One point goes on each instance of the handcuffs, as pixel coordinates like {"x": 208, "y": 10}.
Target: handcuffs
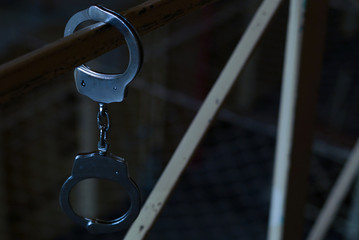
{"x": 104, "y": 89}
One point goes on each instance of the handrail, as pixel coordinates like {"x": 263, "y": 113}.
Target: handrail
{"x": 40, "y": 66}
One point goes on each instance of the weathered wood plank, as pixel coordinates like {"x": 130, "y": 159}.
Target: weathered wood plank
{"x": 42, "y": 65}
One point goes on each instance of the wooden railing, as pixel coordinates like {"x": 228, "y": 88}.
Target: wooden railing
{"x": 42, "y": 65}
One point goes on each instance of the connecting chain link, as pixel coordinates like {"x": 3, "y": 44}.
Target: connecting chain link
{"x": 103, "y": 123}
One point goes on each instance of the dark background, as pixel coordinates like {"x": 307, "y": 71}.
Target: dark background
{"x": 225, "y": 191}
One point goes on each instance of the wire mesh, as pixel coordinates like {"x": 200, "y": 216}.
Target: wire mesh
{"x": 225, "y": 191}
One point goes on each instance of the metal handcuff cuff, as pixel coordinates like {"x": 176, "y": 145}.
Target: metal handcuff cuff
{"x": 104, "y": 88}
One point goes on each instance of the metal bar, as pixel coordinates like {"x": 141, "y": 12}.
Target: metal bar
{"x": 301, "y": 75}
{"x": 336, "y": 196}
{"x": 286, "y": 120}
{"x": 202, "y": 120}
{"x": 42, "y": 65}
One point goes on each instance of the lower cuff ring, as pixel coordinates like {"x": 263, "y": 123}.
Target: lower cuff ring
{"x": 111, "y": 168}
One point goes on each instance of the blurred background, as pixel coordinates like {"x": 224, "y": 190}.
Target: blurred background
{"x": 225, "y": 191}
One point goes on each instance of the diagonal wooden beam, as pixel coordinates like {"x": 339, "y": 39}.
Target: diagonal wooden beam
{"x": 202, "y": 120}
{"x": 336, "y": 196}
{"x": 42, "y": 65}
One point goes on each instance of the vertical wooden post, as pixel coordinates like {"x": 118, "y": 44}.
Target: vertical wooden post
{"x": 302, "y": 68}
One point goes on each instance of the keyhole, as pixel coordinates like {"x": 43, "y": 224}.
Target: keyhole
{"x": 83, "y": 83}
{"x": 98, "y": 198}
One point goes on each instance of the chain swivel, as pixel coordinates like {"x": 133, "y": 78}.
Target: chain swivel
{"x": 103, "y": 123}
